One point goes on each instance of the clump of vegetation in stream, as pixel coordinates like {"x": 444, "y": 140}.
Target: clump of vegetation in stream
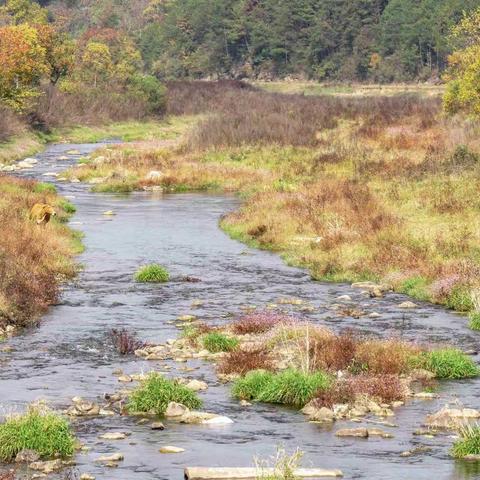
{"x": 40, "y": 430}
{"x": 469, "y": 442}
{"x": 290, "y": 387}
{"x": 153, "y": 273}
{"x": 216, "y": 342}
{"x": 156, "y": 392}
{"x": 448, "y": 363}
{"x": 125, "y": 342}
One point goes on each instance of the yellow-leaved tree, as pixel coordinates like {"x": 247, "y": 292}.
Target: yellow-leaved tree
{"x": 463, "y": 74}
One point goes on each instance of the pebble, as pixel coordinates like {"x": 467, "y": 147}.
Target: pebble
{"x": 109, "y": 213}
{"x": 113, "y": 436}
{"x": 352, "y": 432}
{"x": 171, "y": 449}
{"x": 407, "y": 305}
{"x": 86, "y": 476}
{"x": 114, "y": 457}
{"x": 157, "y": 426}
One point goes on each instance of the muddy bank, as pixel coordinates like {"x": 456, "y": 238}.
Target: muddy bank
{"x": 69, "y": 355}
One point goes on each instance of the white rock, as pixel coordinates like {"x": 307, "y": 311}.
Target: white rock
{"x": 176, "y": 410}
{"x": 196, "y": 385}
{"x": 113, "y": 436}
{"x": 153, "y": 175}
{"x": 171, "y": 449}
{"x": 220, "y": 420}
{"x": 408, "y": 304}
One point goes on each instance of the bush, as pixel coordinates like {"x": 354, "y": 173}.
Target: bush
{"x": 156, "y": 392}
{"x": 469, "y": 442}
{"x": 152, "y": 90}
{"x": 218, "y": 342}
{"x": 447, "y": 363}
{"x": 153, "y": 273}
{"x": 243, "y": 361}
{"x": 290, "y": 387}
{"x": 474, "y": 321}
{"x": 39, "y": 429}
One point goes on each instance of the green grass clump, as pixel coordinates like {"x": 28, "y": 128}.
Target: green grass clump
{"x": 474, "y": 321}
{"x": 218, "y": 342}
{"x": 251, "y": 385}
{"x": 67, "y": 207}
{"x": 290, "y": 387}
{"x": 156, "y": 392}
{"x": 39, "y": 429}
{"x": 153, "y": 273}
{"x": 460, "y": 299}
{"x": 44, "y": 188}
{"x": 469, "y": 442}
{"x": 447, "y": 363}
{"x": 416, "y": 287}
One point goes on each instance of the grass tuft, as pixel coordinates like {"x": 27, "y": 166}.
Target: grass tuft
{"x": 156, "y": 392}
{"x": 290, "y": 387}
{"x": 39, "y": 429}
{"x": 216, "y": 342}
{"x": 474, "y": 323}
{"x": 469, "y": 442}
{"x": 152, "y": 273}
{"x": 448, "y": 363}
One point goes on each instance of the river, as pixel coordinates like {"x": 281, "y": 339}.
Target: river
{"x": 69, "y": 354}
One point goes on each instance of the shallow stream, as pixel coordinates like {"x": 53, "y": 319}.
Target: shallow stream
{"x": 69, "y": 355}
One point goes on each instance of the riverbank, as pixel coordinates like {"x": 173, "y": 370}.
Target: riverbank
{"x": 353, "y": 189}
{"x": 35, "y": 259}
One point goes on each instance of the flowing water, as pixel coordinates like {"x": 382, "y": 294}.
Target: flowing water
{"x": 69, "y": 354}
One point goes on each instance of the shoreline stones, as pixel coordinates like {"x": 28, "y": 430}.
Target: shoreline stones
{"x": 451, "y": 418}
{"x": 171, "y": 449}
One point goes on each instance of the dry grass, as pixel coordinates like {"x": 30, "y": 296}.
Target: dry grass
{"x": 243, "y": 361}
{"x": 33, "y": 258}
{"x": 384, "y": 388}
{"x": 259, "y": 322}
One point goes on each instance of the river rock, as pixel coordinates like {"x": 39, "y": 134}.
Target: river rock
{"x": 196, "y": 385}
{"x": 125, "y": 378}
{"x": 408, "y": 305}
{"x": 157, "y": 426}
{"x": 73, "y": 152}
{"x": 82, "y": 408}
{"x": 378, "y": 432}
{"x": 426, "y": 395}
{"x": 113, "y": 436}
{"x": 86, "y": 476}
{"x": 47, "y": 467}
{"x": 114, "y": 457}
{"x": 171, "y": 449}
{"x": 316, "y": 414}
{"x": 352, "y": 432}
{"x": 372, "y": 287}
{"x": 27, "y": 456}
{"x": 108, "y": 213}
{"x": 344, "y": 298}
{"x": 218, "y": 420}
{"x": 451, "y": 418}
{"x": 186, "y": 318}
{"x": 416, "y": 451}
{"x": 176, "y": 410}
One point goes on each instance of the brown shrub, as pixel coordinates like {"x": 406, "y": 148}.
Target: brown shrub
{"x": 125, "y": 342}
{"x": 333, "y": 353}
{"x": 7, "y": 475}
{"x": 243, "y": 361}
{"x": 390, "y": 357}
{"x": 385, "y": 388}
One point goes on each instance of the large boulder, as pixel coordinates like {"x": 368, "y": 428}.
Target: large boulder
{"x": 451, "y": 418}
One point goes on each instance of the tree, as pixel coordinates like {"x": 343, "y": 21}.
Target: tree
{"x": 463, "y": 75}
{"x": 96, "y": 64}
{"x": 16, "y": 12}
{"x": 22, "y": 64}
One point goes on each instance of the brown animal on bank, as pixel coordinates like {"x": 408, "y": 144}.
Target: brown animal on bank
{"x": 41, "y": 213}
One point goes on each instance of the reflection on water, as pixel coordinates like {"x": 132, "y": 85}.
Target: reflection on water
{"x": 69, "y": 354}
